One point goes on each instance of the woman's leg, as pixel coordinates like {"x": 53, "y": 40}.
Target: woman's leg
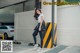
{"x": 41, "y": 37}
{"x": 34, "y": 35}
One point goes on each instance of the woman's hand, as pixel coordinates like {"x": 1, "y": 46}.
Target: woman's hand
{"x": 39, "y": 28}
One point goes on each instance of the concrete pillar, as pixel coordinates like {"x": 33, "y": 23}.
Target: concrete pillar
{"x": 47, "y": 11}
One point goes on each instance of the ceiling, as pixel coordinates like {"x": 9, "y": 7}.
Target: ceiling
{"x": 9, "y": 2}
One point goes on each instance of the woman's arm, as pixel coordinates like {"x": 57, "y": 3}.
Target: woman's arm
{"x": 41, "y": 23}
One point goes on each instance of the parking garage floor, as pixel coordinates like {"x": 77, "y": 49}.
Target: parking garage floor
{"x": 24, "y": 48}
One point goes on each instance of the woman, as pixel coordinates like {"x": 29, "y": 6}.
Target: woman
{"x": 40, "y": 27}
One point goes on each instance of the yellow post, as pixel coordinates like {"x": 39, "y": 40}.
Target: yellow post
{"x": 2, "y": 36}
{"x": 47, "y": 39}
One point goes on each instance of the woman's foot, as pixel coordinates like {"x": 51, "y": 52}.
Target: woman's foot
{"x": 35, "y": 45}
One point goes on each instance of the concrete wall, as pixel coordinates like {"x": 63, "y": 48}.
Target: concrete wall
{"x": 68, "y": 25}
{"x": 24, "y": 26}
{"x": 6, "y": 18}
{"x": 47, "y": 11}
{"x": 9, "y": 2}
{"x": 6, "y": 15}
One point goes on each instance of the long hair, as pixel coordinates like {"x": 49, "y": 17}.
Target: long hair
{"x": 39, "y": 10}
{"x": 36, "y": 14}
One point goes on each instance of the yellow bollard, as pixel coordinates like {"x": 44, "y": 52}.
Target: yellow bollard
{"x": 2, "y": 36}
{"x": 47, "y": 39}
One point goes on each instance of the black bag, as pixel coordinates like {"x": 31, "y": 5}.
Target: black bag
{"x": 37, "y": 27}
{"x": 43, "y": 27}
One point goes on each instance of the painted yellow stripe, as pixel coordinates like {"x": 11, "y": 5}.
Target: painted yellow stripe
{"x": 55, "y": 38}
{"x": 50, "y": 43}
{"x": 47, "y": 34}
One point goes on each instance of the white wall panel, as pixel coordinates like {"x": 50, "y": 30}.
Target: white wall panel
{"x": 24, "y": 26}
{"x": 68, "y": 21}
